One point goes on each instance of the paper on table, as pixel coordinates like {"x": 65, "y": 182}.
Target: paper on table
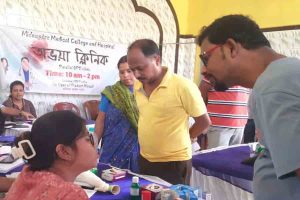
{"x": 5, "y": 150}
{"x": 89, "y": 192}
{"x": 4, "y": 168}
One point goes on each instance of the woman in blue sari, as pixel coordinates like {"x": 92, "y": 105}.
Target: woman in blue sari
{"x": 116, "y": 123}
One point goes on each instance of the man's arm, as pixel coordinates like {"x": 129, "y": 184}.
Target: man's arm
{"x": 15, "y": 112}
{"x": 204, "y": 87}
{"x": 5, "y": 183}
{"x": 201, "y": 125}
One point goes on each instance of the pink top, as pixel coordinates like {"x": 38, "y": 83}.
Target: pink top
{"x": 43, "y": 185}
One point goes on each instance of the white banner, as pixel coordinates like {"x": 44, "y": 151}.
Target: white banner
{"x": 53, "y": 63}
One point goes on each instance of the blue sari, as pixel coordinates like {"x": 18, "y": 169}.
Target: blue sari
{"x": 120, "y": 146}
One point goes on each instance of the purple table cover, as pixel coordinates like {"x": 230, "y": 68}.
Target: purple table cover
{"x": 7, "y": 139}
{"x": 226, "y": 165}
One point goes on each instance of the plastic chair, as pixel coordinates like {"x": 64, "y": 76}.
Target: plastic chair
{"x": 66, "y": 106}
{"x": 91, "y": 109}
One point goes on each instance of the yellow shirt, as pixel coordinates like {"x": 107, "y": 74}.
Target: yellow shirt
{"x": 163, "y": 129}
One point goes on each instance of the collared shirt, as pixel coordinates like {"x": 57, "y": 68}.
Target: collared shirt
{"x": 163, "y": 129}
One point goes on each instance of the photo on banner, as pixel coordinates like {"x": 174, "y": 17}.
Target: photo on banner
{"x": 55, "y": 63}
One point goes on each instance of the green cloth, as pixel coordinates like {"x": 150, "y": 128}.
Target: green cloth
{"x": 121, "y": 97}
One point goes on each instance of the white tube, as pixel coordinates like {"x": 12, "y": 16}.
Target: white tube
{"x": 91, "y": 179}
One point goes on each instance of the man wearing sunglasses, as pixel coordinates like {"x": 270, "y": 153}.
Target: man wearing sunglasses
{"x": 236, "y": 52}
{"x": 165, "y": 102}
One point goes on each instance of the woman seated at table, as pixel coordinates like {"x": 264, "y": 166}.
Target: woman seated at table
{"x": 61, "y": 148}
{"x": 117, "y": 120}
{"x": 17, "y": 101}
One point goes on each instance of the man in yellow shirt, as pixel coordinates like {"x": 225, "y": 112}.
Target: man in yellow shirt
{"x": 165, "y": 103}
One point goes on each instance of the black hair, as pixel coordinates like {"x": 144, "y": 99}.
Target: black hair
{"x": 240, "y": 28}
{"x": 24, "y": 58}
{"x": 2, "y": 59}
{"x": 51, "y": 129}
{"x": 5, "y": 67}
{"x": 147, "y": 46}
{"x": 13, "y": 84}
{"x": 122, "y": 60}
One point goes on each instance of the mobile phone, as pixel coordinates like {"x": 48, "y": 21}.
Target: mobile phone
{"x": 7, "y": 159}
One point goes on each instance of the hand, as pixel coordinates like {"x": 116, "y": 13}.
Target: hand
{"x": 258, "y": 134}
{"x": 27, "y": 115}
{"x": 193, "y": 140}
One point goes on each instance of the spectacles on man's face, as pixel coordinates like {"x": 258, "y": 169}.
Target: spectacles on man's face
{"x": 206, "y": 54}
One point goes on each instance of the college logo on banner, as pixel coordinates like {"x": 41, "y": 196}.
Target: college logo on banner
{"x": 53, "y": 63}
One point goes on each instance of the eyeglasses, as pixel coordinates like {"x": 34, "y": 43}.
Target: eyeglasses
{"x": 92, "y": 141}
{"x": 206, "y": 55}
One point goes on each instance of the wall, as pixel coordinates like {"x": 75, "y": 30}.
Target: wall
{"x": 194, "y": 14}
{"x": 104, "y": 20}
{"x": 127, "y": 20}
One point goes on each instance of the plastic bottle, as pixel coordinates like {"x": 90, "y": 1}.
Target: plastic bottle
{"x": 94, "y": 171}
{"x": 135, "y": 189}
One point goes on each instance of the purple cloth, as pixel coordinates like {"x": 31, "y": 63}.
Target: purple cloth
{"x": 124, "y": 184}
{"x": 226, "y": 165}
{"x": 7, "y": 138}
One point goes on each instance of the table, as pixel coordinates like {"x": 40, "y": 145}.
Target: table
{"x": 7, "y": 140}
{"x": 18, "y": 129}
{"x": 220, "y": 172}
{"x": 123, "y": 183}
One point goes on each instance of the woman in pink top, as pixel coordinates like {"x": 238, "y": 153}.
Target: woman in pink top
{"x": 61, "y": 148}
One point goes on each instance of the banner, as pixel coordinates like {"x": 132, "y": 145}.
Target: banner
{"x": 54, "y": 63}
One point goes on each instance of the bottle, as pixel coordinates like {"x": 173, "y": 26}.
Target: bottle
{"x": 135, "y": 189}
{"x": 94, "y": 171}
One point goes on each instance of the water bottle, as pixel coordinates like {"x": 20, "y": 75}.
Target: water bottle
{"x": 135, "y": 189}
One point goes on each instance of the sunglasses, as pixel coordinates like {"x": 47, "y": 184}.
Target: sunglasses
{"x": 206, "y": 55}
